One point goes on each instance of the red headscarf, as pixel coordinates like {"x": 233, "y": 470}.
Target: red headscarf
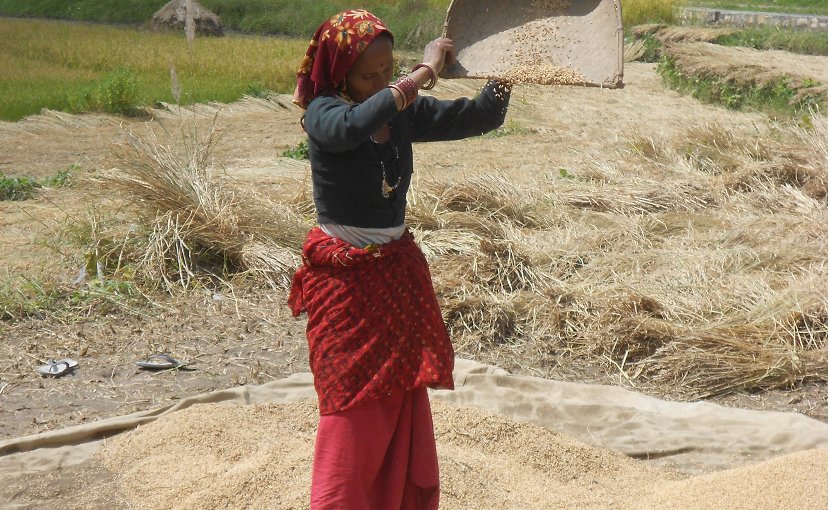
{"x": 332, "y": 52}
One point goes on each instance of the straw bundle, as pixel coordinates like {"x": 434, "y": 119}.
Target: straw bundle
{"x": 195, "y": 222}
{"x": 489, "y": 196}
{"x": 745, "y": 66}
{"x": 480, "y": 321}
{"x": 503, "y": 267}
{"x": 685, "y": 283}
{"x": 671, "y": 33}
{"x": 189, "y": 15}
{"x": 735, "y": 358}
{"x": 438, "y": 243}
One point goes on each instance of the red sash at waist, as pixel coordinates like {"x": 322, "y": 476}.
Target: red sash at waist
{"x": 374, "y": 325}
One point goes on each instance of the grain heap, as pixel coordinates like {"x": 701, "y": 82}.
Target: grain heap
{"x": 543, "y": 74}
{"x": 260, "y": 456}
{"x": 531, "y": 63}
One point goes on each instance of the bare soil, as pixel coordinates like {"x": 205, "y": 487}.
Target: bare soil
{"x": 249, "y": 336}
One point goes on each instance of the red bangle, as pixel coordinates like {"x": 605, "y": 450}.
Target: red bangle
{"x": 409, "y": 89}
{"x": 433, "y": 79}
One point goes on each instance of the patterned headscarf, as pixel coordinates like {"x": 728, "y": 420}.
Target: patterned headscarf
{"x": 333, "y": 50}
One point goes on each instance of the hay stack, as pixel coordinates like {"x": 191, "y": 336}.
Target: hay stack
{"x": 174, "y": 15}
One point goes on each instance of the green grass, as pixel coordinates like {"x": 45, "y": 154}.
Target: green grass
{"x": 770, "y": 38}
{"x": 782, "y": 6}
{"x": 775, "y": 97}
{"x": 653, "y": 49}
{"x": 61, "y": 66}
{"x": 25, "y": 297}
{"x": 414, "y": 22}
{"x": 79, "y": 68}
{"x": 511, "y": 127}
{"x": 760, "y": 38}
{"x": 24, "y": 188}
{"x": 639, "y": 12}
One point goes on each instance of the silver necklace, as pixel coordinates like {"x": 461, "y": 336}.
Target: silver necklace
{"x": 385, "y": 187}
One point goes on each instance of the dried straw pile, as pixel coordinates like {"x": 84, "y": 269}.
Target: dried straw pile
{"x": 188, "y": 15}
{"x": 193, "y": 223}
{"x": 805, "y": 74}
{"x": 674, "y": 33}
{"x": 695, "y": 268}
{"x": 693, "y": 288}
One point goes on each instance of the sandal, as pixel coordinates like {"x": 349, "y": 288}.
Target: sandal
{"x": 160, "y": 362}
{"x": 57, "y": 368}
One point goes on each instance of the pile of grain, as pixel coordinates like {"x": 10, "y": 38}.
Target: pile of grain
{"x": 535, "y": 63}
{"x": 798, "y": 480}
{"x": 228, "y": 456}
{"x": 543, "y": 74}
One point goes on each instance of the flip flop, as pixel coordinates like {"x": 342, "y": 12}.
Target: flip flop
{"x": 57, "y": 368}
{"x": 159, "y": 362}
{"x": 71, "y": 363}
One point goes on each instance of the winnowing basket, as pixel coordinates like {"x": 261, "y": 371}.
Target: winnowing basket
{"x": 577, "y": 42}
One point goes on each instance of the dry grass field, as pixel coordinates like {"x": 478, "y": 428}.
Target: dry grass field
{"x": 634, "y": 237}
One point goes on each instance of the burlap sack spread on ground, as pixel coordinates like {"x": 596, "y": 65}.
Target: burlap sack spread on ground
{"x": 252, "y": 446}
{"x": 550, "y": 42}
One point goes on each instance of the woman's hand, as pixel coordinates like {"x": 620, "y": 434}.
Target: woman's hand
{"x": 439, "y": 52}
{"x": 436, "y": 54}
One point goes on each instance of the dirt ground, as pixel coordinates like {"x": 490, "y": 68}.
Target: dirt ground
{"x": 249, "y": 336}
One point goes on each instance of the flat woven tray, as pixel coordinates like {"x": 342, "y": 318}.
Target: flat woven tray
{"x": 568, "y": 42}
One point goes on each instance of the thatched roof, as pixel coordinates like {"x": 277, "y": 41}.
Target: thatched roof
{"x": 174, "y": 14}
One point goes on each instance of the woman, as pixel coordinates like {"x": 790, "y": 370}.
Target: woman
{"x": 375, "y": 333}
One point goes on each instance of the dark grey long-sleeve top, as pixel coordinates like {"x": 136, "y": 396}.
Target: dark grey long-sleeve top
{"x": 347, "y": 167}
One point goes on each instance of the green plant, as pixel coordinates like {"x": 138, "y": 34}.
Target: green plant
{"x": 17, "y": 188}
{"x": 257, "y": 89}
{"x": 24, "y": 188}
{"x": 783, "y": 6}
{"x": 414, "y": 22}
{"x": 640, "y": 12}
{"x": 769, "y": 38}
{"x": 775, "y": 96}
{"x": 59, "y": 180}
{"x": 117, "y": 92}
{"x": 61, "y": 66}
{"x": 298, "y": 152}
{"x": 652, "y": 49}
{"x": 511, "y": 127}
{"x": 24, "y": 297}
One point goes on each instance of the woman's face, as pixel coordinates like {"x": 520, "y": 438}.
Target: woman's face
{"x": 372, "y": 70}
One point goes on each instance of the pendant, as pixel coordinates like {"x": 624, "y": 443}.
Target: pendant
{"x": 385, "y": 188}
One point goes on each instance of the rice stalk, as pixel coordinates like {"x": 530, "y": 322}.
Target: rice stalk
{"x": 732, "y": 359}
{"x": 438, "y": 243}
{"x": 504, "y": 267}
{"x": 197, "y": 224}
{"x": 479, "y": 321}
{"x": 633, "y": 197}
{"x": 491, "y": 196}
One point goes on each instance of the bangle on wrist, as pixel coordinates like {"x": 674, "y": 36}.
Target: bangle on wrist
{"x": 433, "y": 78}
{"x": 407, "y": 88}
{"x": 401, "y": 92}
